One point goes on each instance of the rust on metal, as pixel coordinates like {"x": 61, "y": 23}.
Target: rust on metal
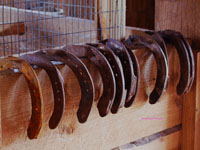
{"x": 35, "y": 124}
{"x": 109, "y": 86}
{"x": 116, "y": 65}
{"x": 57, "y": 83}
{"x": 83, "y": 76}
{"x": 12, "y": 29}
{"x": 134, "y": 42}
{"x": 130, "y": 79}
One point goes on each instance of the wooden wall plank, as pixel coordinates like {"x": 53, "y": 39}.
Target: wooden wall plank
{"x": 197, "y": 110}
{"x": 140, "y": 13}
{"x": 191, "y": 115}
{"x": 180, "y": 15}
{"x": 97, "y": 133}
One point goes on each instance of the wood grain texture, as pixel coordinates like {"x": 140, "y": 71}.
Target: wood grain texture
{"x": 140, "y": 13}
{"x": 191, "y": 116}
{"x": 112, "y": 18}
{"x": 197, "y": 113}
{"x": 96, "y": 133}
{"x": 180, "y": 15}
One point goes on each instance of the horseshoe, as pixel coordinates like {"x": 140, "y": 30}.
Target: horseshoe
{"x": 35, "y": 123}
{"x": 83, "y": 76}
{"x": 130, "y": 79}
{"x": 57, "y": 83}
{"x": 191, "y": 57}
{"x": 116, "y": 65}
{"x": 137, "y": 73}
{"x": 109, "y": 86}
{"x": 185, "y": 79}
{"x": 162, "y": 69}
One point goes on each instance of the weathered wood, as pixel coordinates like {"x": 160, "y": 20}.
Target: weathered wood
{"x": 180, "y": 15}
{"x": 96, "y": 133}
{"x": 140, "y": 13}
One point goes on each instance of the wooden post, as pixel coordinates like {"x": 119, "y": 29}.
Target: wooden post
{"x": 191, "y": 114}
{"x": 112, "y": 18}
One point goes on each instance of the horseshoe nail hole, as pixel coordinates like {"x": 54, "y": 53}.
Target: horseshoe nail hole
{"x": 36, "y": 109}
{"x": 125, "y": 62}
{"x": 85, "y": 81}
{"x": 58, "y": 99}
{"x": 76, "y": 66}
{"x": 81, "y": 73}
{"x": 87, "y": 90}
{"x": 113, "y": 66}
{"x": 116, "y": 75}
{"x": 34, "y": 91}
{"x": 58, "y": 91}
{"x": 56, "y": 83}
{"x": 104, "y": 53}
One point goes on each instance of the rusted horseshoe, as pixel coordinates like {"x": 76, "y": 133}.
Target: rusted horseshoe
{"x": 83, "y": 76}
{"x": 137, "y": 74}
{"x": 134, "y": 42}
{"x": 35, "y": 124}
{"x": 57, "y": 83}
{"x": 185, "y": 69}
{"x": 116, "y": 65}
{"x": 109, "y": 86}
{"x": 130, "y": 79}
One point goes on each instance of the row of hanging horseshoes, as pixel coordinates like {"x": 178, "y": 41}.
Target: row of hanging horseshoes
{"x": 118, "y": 67}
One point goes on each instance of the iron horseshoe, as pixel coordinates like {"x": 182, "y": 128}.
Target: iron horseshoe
{"x": 83, "y": 76}
{"x": 57, "y": 83}
{"x": 118, "y": 73}
{"x": 162, "y": 67}
{"x": 184, "y": 81}
{"x": 137, "y": 74}
{"x": 130, "y": 79}
{"x": 35, "y": 123}
{"x": 191, "y": 57}
{"x": 109, "y": 86}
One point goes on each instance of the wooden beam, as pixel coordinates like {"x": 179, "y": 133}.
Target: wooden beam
{"x": 112, "y": 18}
